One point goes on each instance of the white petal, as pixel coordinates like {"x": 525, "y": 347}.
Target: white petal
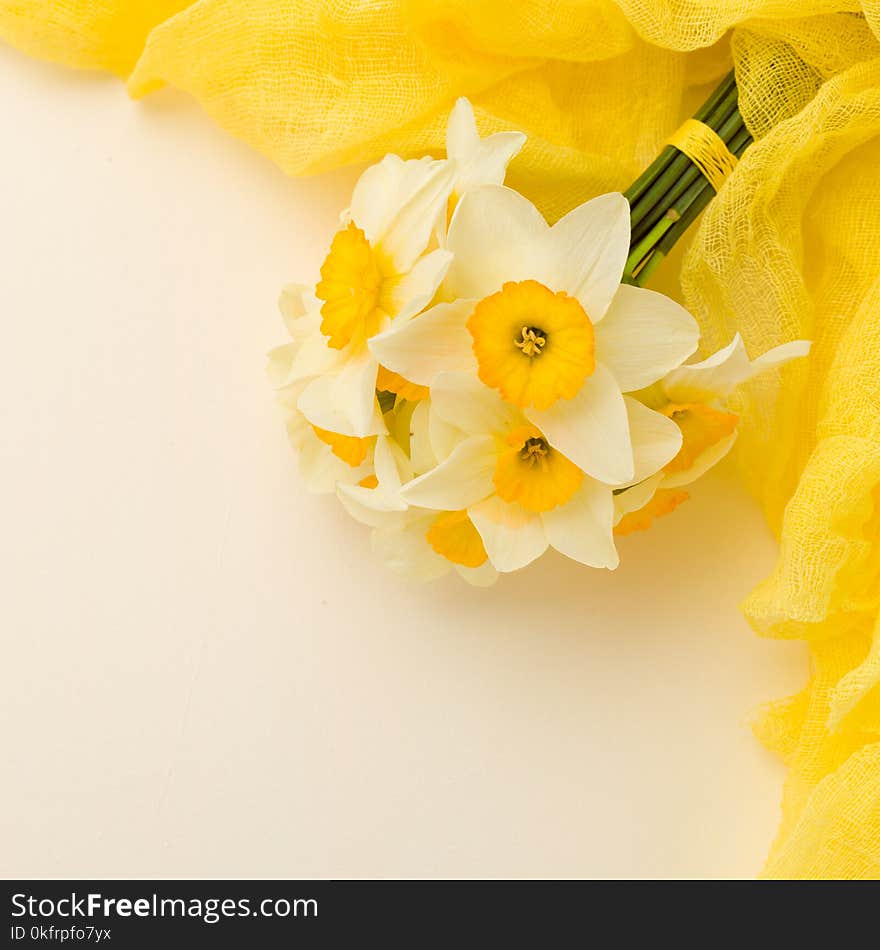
{"x": 644, "y": 335}
{"x": 722, "y": 372}
{"x": 779, "y": 355}
{"x": 304, "y": 360}
{"x": 591, "y": 429}
{"x": 322, "y": 471}
{"x": 294, "y": 303}
{"x": 412, "y": 292}
{"x": 407, "y": 552}
{"x": 306, "y": 325}
{"x": 656, "y": 439}
{"x": 436, "y": 341}
{"x": 461, "y": 480}
{"x": 711, "y": 457}
{"x": 585, "y": 252}
{"x": 461, "y": 131}
{"x": 487, "y": 165}
{"x": 483, "y": 576}
{"x": 443, "y": 435}
{"x": 512, "y": 536}
{"x": 464, "y": 402}
{"x": 408, "y": 233}
{"x": 370, "y": 508}
{"x": 392, "y": 466}
{"x": 583, "y": 528}
{"x": 420, "y": 449}
{"x": 279, "y": 362}
{"x": 381, "y": 190}
{"x": 346, "y": 401}
{"x": 494, "y": 235}
{"x": 636, "y": 497}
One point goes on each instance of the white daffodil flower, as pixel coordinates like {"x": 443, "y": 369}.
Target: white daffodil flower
{"x": 694, "y": 397}
{"x": 510, "y": 485}
{"x": 380, "y": 268}
{"x": 476, "y": 161}
{"x": 540, "y": 315}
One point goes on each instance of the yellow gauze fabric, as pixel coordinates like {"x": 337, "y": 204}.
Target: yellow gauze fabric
{"x": 789, "y": 248}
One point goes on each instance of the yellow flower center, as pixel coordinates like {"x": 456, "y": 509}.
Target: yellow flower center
{"x": 350, "y": 286}
{"x": 523, "y": 321}
{"x": 701, "y": 428}
{"x": 533, "y": 473}
{"x": 453, "y": 536}
{"x": 349, "y": 448}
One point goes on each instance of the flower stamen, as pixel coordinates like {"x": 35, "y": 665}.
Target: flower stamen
{"x": 532, "y": 342}
{"x": 534, "y": 450}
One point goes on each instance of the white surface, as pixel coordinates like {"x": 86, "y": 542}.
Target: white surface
{"x": 206, "y": 675}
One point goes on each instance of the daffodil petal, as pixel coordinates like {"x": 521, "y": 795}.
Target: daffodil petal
{"x": 643, "y": 336}
{"x": 392, "y": 466}
{"x": 464, "y": 402}
{"x": 720, "y": 373}
{"x": 779, "y": 355}
{"x": 294, "y": 303}
{"x": 381, "y": 189}
{"x": 656, "y": 439}
{"x": 512, "y": 536}
{"x": 321, "y": 470}
{"x": 494, "y": 235}
{"x": 488, "y": 163}
{"x": 409, "y": 231}
{"x": 304, "y": 360}
{"x": 280, "y": 359}
{"x": 461, "y": 131}
{"x": 443, "y": 435}
{"x": 371, "y": 507}
{"x": 592, "y": 429}
{"x": 583, "y": 529}
{"x": 345, "y": 402}
{"x": 421, "y": 451}
{"x": 708, "y": 459}
{"x": 584, "y": 253}
{"x": 412, "y": 292}
{"x": 407, "y": 552}
{"x": 461, "y": 480}
{"x": 436, "y": 341}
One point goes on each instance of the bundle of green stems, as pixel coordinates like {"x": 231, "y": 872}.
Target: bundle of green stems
{"x": 669, "y": 196}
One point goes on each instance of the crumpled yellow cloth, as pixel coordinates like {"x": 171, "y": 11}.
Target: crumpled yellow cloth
{"x": 790, "y": 248}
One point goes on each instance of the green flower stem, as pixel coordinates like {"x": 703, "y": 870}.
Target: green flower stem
{"x": 726, "y": 121}
{"x": 731, "y": 128}
{"x": 650, "y": 174}
{"x": 670, "y": 195}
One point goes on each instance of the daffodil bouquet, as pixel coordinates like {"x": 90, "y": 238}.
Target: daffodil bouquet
{"x": 476, "y": 385}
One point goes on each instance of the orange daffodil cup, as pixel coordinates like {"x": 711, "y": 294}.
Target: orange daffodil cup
{"x": 478, "y": 386}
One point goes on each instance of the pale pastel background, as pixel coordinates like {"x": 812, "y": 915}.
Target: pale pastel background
{"x": 205, "y": 674}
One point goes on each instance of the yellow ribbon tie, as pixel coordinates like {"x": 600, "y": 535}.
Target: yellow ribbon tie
{"x": 706, "y": 149}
